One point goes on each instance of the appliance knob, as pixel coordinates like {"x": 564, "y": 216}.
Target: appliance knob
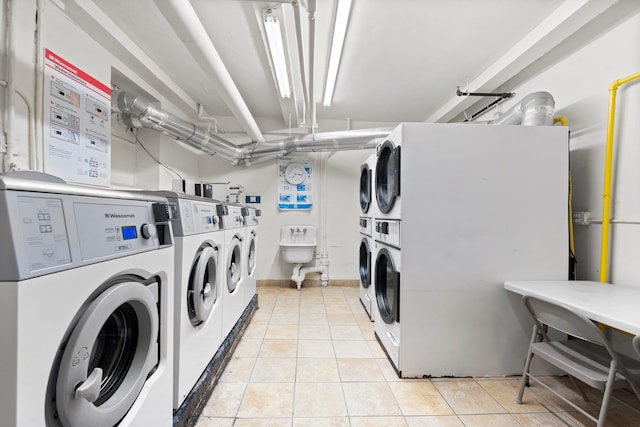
{"x": 148, "y": 231}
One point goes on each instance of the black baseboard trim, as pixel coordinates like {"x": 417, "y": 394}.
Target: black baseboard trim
{"x": 188, "y": 413}
{"x": 398, "y": 372}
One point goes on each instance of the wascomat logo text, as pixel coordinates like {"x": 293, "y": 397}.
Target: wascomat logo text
{"x": 115, "y": 215}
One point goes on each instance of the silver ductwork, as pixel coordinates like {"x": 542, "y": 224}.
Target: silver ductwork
{"x": 535, "y": 109}
{"x": 138, "y": 112}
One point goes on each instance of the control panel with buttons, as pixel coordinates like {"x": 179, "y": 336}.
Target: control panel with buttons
{"x": 388, "y": 231}
{"x": 234, "y": 219}
{"x": 366, "y": 225}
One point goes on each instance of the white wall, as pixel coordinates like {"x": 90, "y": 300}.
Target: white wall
{"x": 343, "y": 210}
{"x": 579, "y": 84}
{"x": 131, "y": 166}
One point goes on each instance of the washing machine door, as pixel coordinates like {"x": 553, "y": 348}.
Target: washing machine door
{"x": 365, "y": 263}
{"x": 251, "y": 254}
{"x": 202, "y": 291}
{"x": 365, "y": 188}
{"x": 387, "y": 286}
{"x": 234, "y": 266}
{"x": 387, "y": 176}
{"x": 108, "y": 356}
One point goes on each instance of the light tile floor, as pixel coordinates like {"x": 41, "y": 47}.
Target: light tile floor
{"x": 310, "y": 358}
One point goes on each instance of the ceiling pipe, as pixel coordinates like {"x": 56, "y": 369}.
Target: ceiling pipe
{"x": 185, "y": 22}
{"x": 138, "y": 112}
{"x": 10, "y": 151}
{"x": 303, "y": 77}
{"x": 311, "y": 10}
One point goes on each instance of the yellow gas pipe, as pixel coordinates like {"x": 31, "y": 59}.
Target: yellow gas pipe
{"x": 572, "y": 246}
{"x": 608, "y": 160}
{"x": 561, "y": 120}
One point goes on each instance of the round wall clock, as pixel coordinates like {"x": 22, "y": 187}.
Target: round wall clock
{"x": 295, "y": 174}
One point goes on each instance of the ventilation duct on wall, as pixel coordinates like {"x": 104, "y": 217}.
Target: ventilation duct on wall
{"x": 138, "y": 112}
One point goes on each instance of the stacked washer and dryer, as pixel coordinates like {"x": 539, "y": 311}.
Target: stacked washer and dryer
{"x": 366, "y": 255}
{"x": 482, "y": 204}
{"x": 86, "y": 279}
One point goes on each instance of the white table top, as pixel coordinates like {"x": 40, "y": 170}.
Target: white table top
{"x": 614, "y": 305}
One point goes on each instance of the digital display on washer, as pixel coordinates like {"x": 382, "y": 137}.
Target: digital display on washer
{"x": 129, "y": 232}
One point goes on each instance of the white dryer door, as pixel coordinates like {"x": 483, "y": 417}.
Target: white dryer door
{"x": 387, "y": 286}
{"x": 203, "y": 288}
{"x": 365, "y": 263}
{"x": 108, "y": 356}
{"x": 387, "y": 176}
{"x": 365, "y": 188}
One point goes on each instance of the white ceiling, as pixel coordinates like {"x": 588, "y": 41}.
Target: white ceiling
{"x": 402, "y": 59}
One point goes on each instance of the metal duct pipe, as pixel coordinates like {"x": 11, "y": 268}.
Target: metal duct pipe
{"x": 535, "y": 109}
{"x": 138, "y": 112}
{"x": 327, "y": 141}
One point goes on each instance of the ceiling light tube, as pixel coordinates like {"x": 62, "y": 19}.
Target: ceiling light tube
{"x": 337, "y": 42}
{"x": 278, "y": 58}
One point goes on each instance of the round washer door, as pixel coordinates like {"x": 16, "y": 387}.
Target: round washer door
{"x": 365, "y": 188}
{"x": 251, "y": 254}
{"x": 387, "y": 285}
{"x": 234, "y": 266}
{"x": 365, "y": 263}
{"x": 387, "y": 176}
{"x": 108, "y": 356}
{"x": 202, "y": 291}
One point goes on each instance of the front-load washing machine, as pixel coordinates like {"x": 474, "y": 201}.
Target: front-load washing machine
{"x": 86, "y": 279}
{"x": 233, "y": 302}
{"x": 387, "y": 288}
{"x": 199, "y": 243}
{"x": 366, "y": 248}
{"x": 250, "y": 253}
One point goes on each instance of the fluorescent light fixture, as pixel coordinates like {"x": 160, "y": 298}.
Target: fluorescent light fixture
{"x": 337, "y": 42}
{"x": 278, "y": 59}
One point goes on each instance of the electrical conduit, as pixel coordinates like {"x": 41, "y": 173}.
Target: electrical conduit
{"x": 311, "y": 9}
{"x": 608, "y": 161}
{"x": 11, "y": 152}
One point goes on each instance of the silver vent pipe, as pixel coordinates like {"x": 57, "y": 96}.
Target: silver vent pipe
{"x": 138, "y": 112}
{"x": 535, "y": 109}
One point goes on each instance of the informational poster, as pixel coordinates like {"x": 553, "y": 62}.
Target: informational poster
{"x": 77, "y": 127}
{"x": 295, "y": 183}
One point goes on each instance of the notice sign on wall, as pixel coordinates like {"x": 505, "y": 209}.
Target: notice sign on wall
{"x": 77, "y": 127}
{"x": 295, "y": 183}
